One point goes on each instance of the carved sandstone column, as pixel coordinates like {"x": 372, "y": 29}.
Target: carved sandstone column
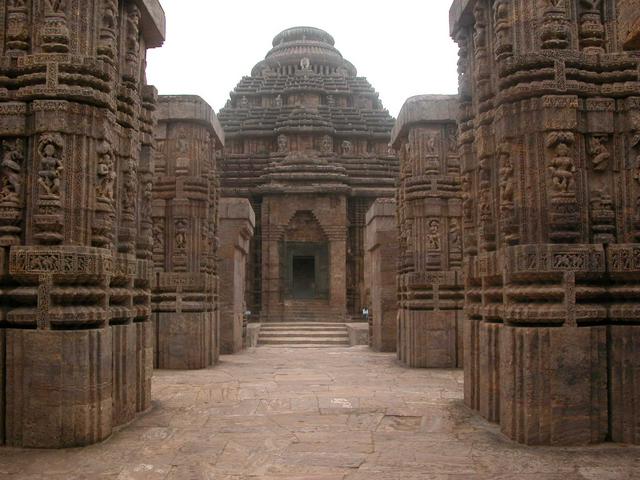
{"x": 549, "y": 147}
{"x": 70, "y": 141}
{"x": 185, "y": 223}
{"x": 429, "y": 221}
{"x": 237, "y": 223}
{"x": 381, "y": 264}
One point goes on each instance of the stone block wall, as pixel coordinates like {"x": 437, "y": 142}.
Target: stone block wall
{"x": 381, "y": 263}
{"x": 185, "y": 226}
{"x": 430, "y": 288}
{"x": 550, "y": 149}
{"x": 76, "y": 144}
{"x": 237, "y": 223}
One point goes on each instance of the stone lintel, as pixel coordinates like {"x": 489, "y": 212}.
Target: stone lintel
{"x": 154, "y": 26}
{"x": 424, "y": 109}
{"x": 460, "y": 15}
{"x": 190, "y": 108}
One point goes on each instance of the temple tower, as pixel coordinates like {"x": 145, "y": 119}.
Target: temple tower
{"x": 307, "y": 144}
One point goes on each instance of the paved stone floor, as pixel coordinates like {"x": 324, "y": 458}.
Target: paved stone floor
{"x": 314, "y": 414}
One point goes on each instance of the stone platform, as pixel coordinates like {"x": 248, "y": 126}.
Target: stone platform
{"x": 315, "y": 414}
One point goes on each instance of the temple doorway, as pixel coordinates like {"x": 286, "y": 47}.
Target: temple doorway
{"x": 304, "y": 277}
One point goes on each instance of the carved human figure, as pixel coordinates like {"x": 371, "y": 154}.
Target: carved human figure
{"x": 454, "y": 235}
{"x": 278, "y": 101}
{"x": 130, "y": 187}
{"x": 244, "y": 102}
{"x": 599, "y": 153}
{"x": 50, "y": 164}
{"x": 326, "y": 146}
{"x": 431, "y": 145}
{"x": 106, "y": 172}
{"x": 467, "y": 198}
{"x": 107, "y": 44}
{"x": 283, "y": 144}
{"x": 133, "y": 36}
{"x": 562, "y": 169}
{"x": 506, "y": 179}
{"x": 347, "y": 147}
{"x": 433, "y": 235}
{"x": 10, "y": 172}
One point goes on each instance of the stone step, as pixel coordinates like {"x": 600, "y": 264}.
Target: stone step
{"x": 309, "y": 328}
{"x": 299, "y": 333}
{"x": 304, "y": 340}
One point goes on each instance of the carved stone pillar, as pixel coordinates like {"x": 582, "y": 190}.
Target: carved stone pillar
{"x": 237, "y": 223}
{"x": 430, "y": 226}
{"x": 70, "y": 156}
{"x": 381, "y": 264}
{"x": 184, "y": 213}
{"x": 550, "y": 175}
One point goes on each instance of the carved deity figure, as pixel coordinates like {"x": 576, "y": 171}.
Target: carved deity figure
{"x": 455, "y": 240}
{"x": 433, "y": 236}
{"x": 133, "y": 37}
{"x": 106, "y": 172}
{"x": 51, "y": 167}
{"x": 283, "y": 144}
{"x": 431, "y": 144}
{"x": 599, "y": 153}
{"x": 278, "y": 101}
{"x": 244, "y": 102}
{"x": 181, "y": 234}
{"x": 347, "y": 147}
{"x": 467, "y": 198}
{"x": 107, "y": 44}
{"x": 562, "y": 169}
{"x": 506, "y": 179}
{"x": 10, "y": 173}
{"x": 130, "y": 187}
{"x": 326, "y": 146}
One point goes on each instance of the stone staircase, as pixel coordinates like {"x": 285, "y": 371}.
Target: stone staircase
{"x": 303, "y": 334}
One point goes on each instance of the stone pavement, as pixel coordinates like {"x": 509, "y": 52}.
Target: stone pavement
{"x": 314, "y": 414}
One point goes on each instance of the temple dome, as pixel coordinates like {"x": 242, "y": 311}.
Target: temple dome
{"x": 304, "y": 49}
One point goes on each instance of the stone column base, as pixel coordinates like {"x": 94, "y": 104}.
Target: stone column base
{"x": 58, "y": 387}
{"x": 624, "y": 371}
{"x": 124, "y": 373}
{"x": 428, "y": 339}
{"x": 554, "y": 385}
{"x": 144, "y": 364}
{"x": 184, "y": 341}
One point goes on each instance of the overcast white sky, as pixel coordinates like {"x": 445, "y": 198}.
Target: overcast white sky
{"x": 401, "y": 46}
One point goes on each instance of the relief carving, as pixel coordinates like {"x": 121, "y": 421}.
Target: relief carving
{"x": 17, "y": 41}
{"x": 51, "y": 168}
{"x": 600, "y": 155}
{"x": 107, "y": 44}
{"x": 55, "y": 32}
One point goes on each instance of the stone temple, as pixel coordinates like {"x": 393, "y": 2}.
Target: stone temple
{"x": 159, "y": 262}
{"x": 307, "y": 142}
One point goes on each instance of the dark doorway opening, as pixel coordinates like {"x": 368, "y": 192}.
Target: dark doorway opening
{"x": 304, "y": 277}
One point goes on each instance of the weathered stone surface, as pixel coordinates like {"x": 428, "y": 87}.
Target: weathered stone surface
{"x": 380, "y": 268}
{"x": 307, "y": 143}
{"x": 59, "y": 387}
{"x": 237, "y": 223}
{"x": 429, "y": 220}
{"x": 76, "y": 146}
{"x": 549, "y": 138}
{"x": 315, "y": 414}
{"x": 185, "y": 222}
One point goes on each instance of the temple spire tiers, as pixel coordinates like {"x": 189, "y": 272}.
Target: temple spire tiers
{"x": 76, "y": 150}
{"x": 307, "y": 144}
{"x": 549, "y": 119}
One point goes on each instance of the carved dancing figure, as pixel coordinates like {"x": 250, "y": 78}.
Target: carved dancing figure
{"x": 562, "y": 169}
{"x": 599, "y": 152}
{"x": 106, "y": 172}
{"x": 51, "y": 166}
{"x": 10, "y": 170}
